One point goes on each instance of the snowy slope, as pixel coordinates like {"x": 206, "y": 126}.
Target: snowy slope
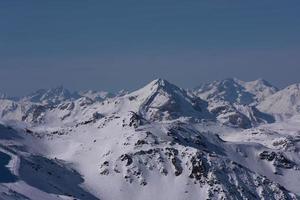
{"x": 27, "y": 175}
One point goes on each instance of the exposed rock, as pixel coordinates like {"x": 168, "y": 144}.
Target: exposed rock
{"x": 127, "y": 158}
{"x": 279, "y": 159}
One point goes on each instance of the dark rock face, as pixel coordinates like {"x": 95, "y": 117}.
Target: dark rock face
{"x": 172, "y": 154}
{"x": 136, "y": 120}
{"x": 127, "y": 159}
{"x": 278, "y": 158}
{"x": 35, "y": 113}
{"x": 67, "y": 106}
{"x": 269, "y": 156}
{"x": 198, "y": 169}
{"x": 97, "y": 116}
{"x": 283, "y": 162}
{"x": 140, "y": 143}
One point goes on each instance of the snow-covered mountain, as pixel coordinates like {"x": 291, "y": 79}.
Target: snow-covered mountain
{"x": 162, "y": 100}
{"x": 158, "y": 142}
{"x": 284, "y": 103}
{"x": 233, "y": 90}
{"x": 260, "y": 88}
{"x": 233, "y": 101}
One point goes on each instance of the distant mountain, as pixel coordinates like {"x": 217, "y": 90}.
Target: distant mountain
{"x": 96, "y": 95}
{"x": 233, "y": 90}
{"x": 51, "y": 96}
{"x": 284, "y": 103}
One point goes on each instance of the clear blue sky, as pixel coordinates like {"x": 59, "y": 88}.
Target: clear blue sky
{"x": 110, "y": 45}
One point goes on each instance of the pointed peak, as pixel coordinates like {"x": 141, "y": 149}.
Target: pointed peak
{"x": 160, "y": 82}
{"x": 158, "y": 85}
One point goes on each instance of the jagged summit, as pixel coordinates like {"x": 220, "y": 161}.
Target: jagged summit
{"x": 51, "y": 96}
{"x": 157, "y": 84}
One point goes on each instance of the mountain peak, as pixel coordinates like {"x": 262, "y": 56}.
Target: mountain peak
{"x": 161, "y": 99}
{"x": 160, "y": 83}
{"x": 156, "y": 85}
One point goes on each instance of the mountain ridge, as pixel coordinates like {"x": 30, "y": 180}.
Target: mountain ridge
{"x": 146, "y": 143}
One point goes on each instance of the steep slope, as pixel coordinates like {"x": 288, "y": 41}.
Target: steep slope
{"x": 283, "y": 104}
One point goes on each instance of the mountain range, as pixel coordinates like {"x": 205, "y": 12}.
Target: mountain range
{"x": 228, "y": 139}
